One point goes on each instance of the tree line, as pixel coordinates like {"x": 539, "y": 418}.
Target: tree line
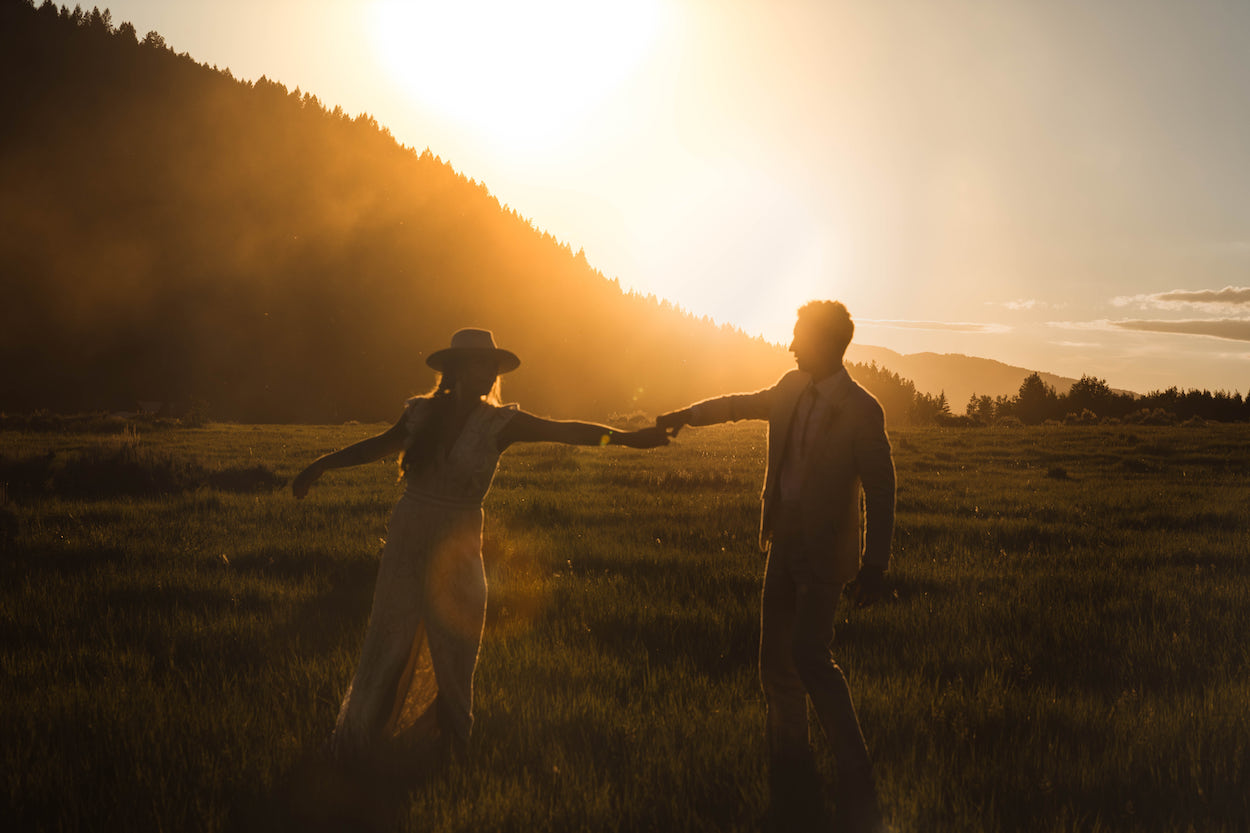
{"x": 1091, "y": 400}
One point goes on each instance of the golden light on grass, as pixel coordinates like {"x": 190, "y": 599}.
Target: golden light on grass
{"x": 516, "y": 72}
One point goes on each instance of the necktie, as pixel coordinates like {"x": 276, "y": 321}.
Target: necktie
{"x": 792, "y": 456}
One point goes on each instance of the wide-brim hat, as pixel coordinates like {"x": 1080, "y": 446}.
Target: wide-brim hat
{"x": 471, "y": 342}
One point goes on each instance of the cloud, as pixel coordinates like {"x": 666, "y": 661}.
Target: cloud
{"x": 1024, "y": 304}
{"x": 1101, "y": 324}
{"x": 946, "y": 326}
{"x": 1234, "y": 329}
{"x": 1229, "y": 299}
{"x": 1231, "y": 304}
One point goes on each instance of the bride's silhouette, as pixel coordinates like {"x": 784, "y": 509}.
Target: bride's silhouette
{"x": 410, "y": 704}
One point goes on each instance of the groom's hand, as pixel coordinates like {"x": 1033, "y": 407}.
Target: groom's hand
{"x": 673, "y": 421}
{"x": 868, "y": 587}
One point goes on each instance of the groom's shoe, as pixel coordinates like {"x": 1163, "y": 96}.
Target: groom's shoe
{"x": 808, "y": 819}
{"x": 797, "y": 801}
{"x": 856, "y": 809}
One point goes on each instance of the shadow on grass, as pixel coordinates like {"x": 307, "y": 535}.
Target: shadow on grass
{"x": 314, "y": 793}
{"x": 299, "y": 564}
{"x": 319, "y": 796}
{"x": 680, "y": 613}
{"x": 125, "y": 467}
{"x": 678, "y": 640}
{"x": 319, "y": 624}
{"x": 66, "y": 559}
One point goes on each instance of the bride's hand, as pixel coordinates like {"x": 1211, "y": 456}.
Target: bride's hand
{"x": 305, "y": 479}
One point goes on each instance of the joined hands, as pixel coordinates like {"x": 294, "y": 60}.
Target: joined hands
{"x": 672, "y": 422}
{"x": 645, "y": 438}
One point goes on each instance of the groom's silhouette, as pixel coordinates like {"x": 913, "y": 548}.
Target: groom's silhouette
{"x": 827, "y": 445}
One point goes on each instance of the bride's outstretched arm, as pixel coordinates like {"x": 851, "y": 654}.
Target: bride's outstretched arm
{"x": 376, "y": 447}
{"x": 527, "y": 428}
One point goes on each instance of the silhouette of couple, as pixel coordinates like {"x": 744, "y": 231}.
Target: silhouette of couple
{"x": 410, "y": 703}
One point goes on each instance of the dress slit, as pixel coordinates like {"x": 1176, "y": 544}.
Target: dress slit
{"x": 401, "y": 706}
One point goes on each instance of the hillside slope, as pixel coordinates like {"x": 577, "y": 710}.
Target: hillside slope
{"x": 170, "y": 233}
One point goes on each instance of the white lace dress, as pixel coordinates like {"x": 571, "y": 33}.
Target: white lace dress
{"x": 414, "y": 685}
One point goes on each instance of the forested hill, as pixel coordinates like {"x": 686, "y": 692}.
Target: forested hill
{"x": 170, "y": 233}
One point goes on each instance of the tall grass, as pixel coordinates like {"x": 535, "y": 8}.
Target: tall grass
{"x": 1067, "y": 650}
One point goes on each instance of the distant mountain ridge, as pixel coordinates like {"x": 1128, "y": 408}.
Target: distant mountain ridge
{"x": 956, "y": 375}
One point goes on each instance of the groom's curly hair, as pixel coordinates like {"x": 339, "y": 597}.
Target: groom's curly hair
{"x": 834, "y": 319}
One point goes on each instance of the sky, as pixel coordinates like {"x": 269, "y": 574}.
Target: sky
{"x": 1062, "y": 185}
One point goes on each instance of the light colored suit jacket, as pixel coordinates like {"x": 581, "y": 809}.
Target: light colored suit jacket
{"x": 847, "y": 492}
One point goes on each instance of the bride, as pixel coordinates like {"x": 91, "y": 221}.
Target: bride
{"x": 410, "y": 704}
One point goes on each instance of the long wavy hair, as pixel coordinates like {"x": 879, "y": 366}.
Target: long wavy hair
{"x": 424, "y": 442}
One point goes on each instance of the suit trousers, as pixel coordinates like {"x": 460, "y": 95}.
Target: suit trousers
{"x": 796, "y": 663}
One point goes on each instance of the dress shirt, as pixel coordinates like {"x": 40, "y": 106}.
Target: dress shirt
{"x": 813, "y": 410}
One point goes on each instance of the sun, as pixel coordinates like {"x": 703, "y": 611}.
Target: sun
{"x": 516, "y": 72}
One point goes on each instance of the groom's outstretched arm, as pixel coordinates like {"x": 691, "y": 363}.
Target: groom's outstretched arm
{"x": 729, "y": 408}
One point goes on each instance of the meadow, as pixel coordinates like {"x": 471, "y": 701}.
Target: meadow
{"x": 1066, "y": 650}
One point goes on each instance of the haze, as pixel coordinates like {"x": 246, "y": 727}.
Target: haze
{"x": 1059, "y": 185}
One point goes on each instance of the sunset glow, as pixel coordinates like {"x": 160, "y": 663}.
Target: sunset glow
{"x": 519, "y": 72}
{"x": 1011, "y": 180}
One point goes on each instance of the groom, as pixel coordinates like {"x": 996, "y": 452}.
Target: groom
{"x": 826, "y": 445}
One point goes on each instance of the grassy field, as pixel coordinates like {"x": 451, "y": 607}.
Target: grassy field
{"x": 1068, "y": 649}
